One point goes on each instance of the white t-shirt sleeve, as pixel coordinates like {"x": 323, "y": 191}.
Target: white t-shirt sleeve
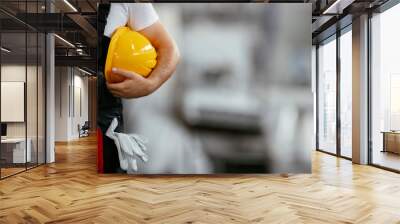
{"x": 137, "y": 16}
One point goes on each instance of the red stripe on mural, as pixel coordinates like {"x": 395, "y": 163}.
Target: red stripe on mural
{"x": 100, "y": 162}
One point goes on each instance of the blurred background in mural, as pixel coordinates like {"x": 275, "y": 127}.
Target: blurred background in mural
{"x": 240, "y": 100}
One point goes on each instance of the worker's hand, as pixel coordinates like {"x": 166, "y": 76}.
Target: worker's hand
{"x": 133, "y": 86}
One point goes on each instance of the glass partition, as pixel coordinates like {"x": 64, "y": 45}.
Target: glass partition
{"x": 41, "y": 109}
{"x": 22, "y": 88}
{"x": 32, "y": 96}
{"x": 35, "y": 49}
{"x": 14, "y": 153}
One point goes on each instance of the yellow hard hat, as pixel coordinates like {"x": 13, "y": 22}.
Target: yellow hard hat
{"x": 129, "y": 50}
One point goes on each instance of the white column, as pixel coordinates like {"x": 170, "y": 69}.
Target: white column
{"x": 50, "y": 92}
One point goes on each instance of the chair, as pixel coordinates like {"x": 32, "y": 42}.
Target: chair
{"x": 84, "y": 130}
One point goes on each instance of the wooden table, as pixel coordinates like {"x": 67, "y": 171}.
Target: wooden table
{"x": 391, "y": 141}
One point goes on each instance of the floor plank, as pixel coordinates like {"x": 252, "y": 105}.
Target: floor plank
{"x": 70, "y": 191}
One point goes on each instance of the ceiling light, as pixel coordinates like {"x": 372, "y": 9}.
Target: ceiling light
{"x": 84, "y": 71}
{"x": 70, "y": 5}
{"x": 338, "y": 6}
{"x": 65, "y": 41}
{"x": 5, "y": 50}
{"x": 331, "y": 7}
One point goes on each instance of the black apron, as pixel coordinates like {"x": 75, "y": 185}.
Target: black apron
{"x": 108, "y": 106}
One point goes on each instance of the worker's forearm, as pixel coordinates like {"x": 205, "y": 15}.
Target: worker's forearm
{"x": 167, "y": 60}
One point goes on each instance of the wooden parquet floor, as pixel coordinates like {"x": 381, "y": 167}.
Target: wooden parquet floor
{"x": 70, "y": 191}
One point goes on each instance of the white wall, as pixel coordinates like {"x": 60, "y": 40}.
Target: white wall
{"x": 80, "y": 84}
{"x": 61, "y": 103}
{"x": 70, "y": 83}
{"x": 17, "y": 73}
{"x": 14, "y": 73}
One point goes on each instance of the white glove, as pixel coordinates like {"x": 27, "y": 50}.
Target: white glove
{"x": 129, "y": 147}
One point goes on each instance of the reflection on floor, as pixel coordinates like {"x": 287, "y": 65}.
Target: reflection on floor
{"x": 70, "y": 191}
{"x": 386, "y": 159}
{"x": 12, "y": 169}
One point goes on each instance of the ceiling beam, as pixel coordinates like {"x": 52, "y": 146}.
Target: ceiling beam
{"x": 82, "y": 61}
{"x": 89, "y": 30}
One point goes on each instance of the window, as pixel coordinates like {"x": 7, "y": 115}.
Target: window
{"x": 327, "y": 96}
{"x": 346, "y": 93}
{"x": 385, "y": 89}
